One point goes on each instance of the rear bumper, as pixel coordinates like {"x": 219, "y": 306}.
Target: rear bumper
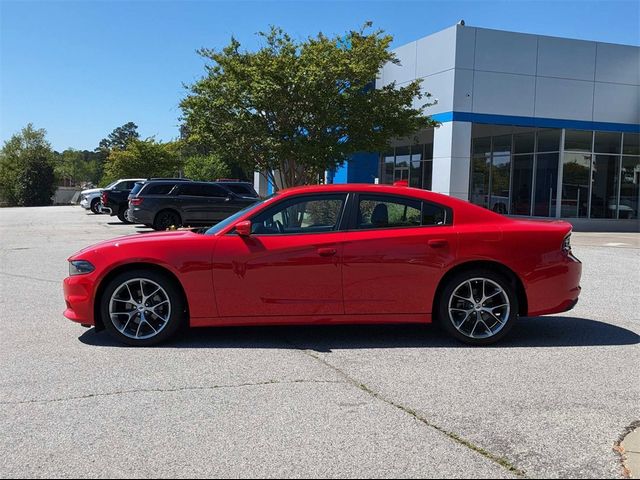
{"x": 139, "y": 215}
{"x": 555, "y": 289}
{"x": 78, "y": 296}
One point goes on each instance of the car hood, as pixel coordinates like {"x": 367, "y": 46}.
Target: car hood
{"x": 90, "y": 191}
{"x": 140, "y": 239}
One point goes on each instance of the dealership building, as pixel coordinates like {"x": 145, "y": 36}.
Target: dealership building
{"x": 530, "y": 125}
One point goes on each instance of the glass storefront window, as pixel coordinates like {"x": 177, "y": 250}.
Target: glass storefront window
{"x": 427, "y": 173}
{"x": 388, "y": 166}
{"x": 575, "y": 184}
{"x": 629, "y": 187}
{"x": 501, "y": 145}
{"x": 631, "y": 143}
{"x": 604, "y": 187}
{"x": 500, "y": 179}
{"x": 403, "y": 157}
{"x": 415, "y": 171}
{"x": 521, "y": 184}
{"x": 580, "y": 140}
{"x": 480, "y": 180}
{"x": 524, "y": 142}
{"x": 607, "y": 142}
{"x": 548, "y": 140}
{"x": 544, "y": 202}
{"x": 481, "y": 146}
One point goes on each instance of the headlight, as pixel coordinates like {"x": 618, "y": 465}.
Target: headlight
{"x": 80, "y": 267}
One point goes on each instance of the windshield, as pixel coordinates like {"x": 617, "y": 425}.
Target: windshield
{"x": 230, "y": 220}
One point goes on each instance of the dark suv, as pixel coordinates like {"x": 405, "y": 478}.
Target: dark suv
{"x": 163, "y": 204}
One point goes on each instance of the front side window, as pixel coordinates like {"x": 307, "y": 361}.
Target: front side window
{"x": 314, "y": 214}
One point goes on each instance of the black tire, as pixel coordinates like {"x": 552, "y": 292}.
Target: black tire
{"x": 95, "y": 206}
{"x": 176, "y": 319}
{"x": 166, "y": 219}
{"x": 122, "y": 216}
{"x": 500, "y": 323}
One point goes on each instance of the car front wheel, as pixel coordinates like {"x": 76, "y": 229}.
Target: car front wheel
{"x": 95, "y": 205}
{"x": 478, "y": 307}
{"x": 142, "y": 307}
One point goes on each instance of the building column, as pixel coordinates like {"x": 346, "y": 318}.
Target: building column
{"x": 261, "y": 183}
{"x": 452, "y": 159}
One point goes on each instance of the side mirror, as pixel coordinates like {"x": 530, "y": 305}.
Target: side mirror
{"x": 243, "y": 228}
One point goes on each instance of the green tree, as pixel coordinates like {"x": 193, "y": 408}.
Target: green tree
{"x": 26, "y": 168}
{"x": 300, "y": 108}
{"x": 120, "y": 137}
{"x": 143, "y": 158}
{"x": 205, "y": 167}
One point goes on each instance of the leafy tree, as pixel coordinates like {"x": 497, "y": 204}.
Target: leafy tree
{"x": 300, "y": 108}
{"x": 74, "y": 167}
{"x": 120, "y": 137}
{"x": 22, "y": 157}
{"x": 205, "y": 168}
{"x": 143, "y": 158}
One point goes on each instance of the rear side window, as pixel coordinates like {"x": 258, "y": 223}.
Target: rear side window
{"x": 161, "y": 189}
{"x": 381, "y": 211}
{"x": 200, "y": 190}
{"x": 241, "y": 189}
{"x": 136, "y": 188}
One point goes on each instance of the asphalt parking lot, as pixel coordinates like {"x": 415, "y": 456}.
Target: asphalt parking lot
{"x": 382, "y": 401}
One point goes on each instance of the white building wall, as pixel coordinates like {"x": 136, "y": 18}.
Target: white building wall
{"x": 451, "y": 159}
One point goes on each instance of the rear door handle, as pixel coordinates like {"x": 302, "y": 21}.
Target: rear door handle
{"x": 438, "y": 243}
{"x": 327, "y": 252}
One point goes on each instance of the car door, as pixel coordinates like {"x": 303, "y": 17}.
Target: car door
{"x": 289, "y": 266}
{"x": 394, "y": 254}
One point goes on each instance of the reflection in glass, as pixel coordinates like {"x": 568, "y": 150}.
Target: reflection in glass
{"x": 607, "y": 142}
{"x": 546, "y": 184}
{"x": 415, "y": 174}
{"x": 629, "y": 187}
{"x": 604, "y": 187}
{"x": 500, "y": 176}
{"x": 427, "y": 173}
{"x": 631, "y": 143}
{"x": 548, "y": 140}
{"x": 502, "y": 145}
{"x": 481, "y": 146}
{"x": 480, "y": 180}
{"x": 403, "y": 158}
{"x": 575, "y": 184}
{"x": 578, "y": 140}
{"x": 521, "y": 190}
{"x": 388, "y": 168}
{"x": 524, "y": 142}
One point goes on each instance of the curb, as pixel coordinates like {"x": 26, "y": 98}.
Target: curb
{"x": 629, "y": 449}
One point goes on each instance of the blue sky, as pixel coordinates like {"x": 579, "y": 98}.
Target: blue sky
{"x": 80, "y": 69}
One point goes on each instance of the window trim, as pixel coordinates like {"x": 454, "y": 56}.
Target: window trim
{"x": 353, "y": 214}
{"x": 341, "y": 224}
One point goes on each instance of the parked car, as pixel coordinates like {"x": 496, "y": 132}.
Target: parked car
{"x": 244, "y": 189}
{"x": 330, "y": 254}
{"x": 163, "y": 204}
{"x": 90, "y": 198}
{"x": 114, "y": 200}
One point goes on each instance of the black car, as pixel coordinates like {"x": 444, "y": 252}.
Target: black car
{"x": 114, "y": 199}
{"x": 163, "y": 204}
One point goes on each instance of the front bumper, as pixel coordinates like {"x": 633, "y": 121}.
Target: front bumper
{"x": 78, "y": 296}
{"x": 84, "y": 203}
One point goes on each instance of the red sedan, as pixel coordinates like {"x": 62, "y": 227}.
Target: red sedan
{"x": 330, "y": 254}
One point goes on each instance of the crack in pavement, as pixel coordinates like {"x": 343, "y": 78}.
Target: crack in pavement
{"x": 164, "y": 390}
{"x": 503, "y": 462}
{"x": 29, "y": 277}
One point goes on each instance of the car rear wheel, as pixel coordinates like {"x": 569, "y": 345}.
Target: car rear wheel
{"x": 478, "y": 307}
{"x": 142, "y": 307}
{"x": 95, "y": 205}
{"x": 122, "y": 216}
{"x": 166, "y": 219}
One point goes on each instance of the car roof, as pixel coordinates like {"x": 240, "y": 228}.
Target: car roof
{"x": 465, "y": 212}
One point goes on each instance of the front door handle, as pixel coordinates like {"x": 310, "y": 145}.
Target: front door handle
{"x": 327, "y": 252}
{"x": 438, "y": 243}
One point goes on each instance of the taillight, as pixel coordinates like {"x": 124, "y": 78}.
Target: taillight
{"x": 135, "y": 201}
{"x": 104, "y": 198}
{"x": 566, "y": 244}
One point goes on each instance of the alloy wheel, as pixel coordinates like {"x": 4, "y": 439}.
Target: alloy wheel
{"x": 479, "y": 308}
{"x": 140, "y": 308}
